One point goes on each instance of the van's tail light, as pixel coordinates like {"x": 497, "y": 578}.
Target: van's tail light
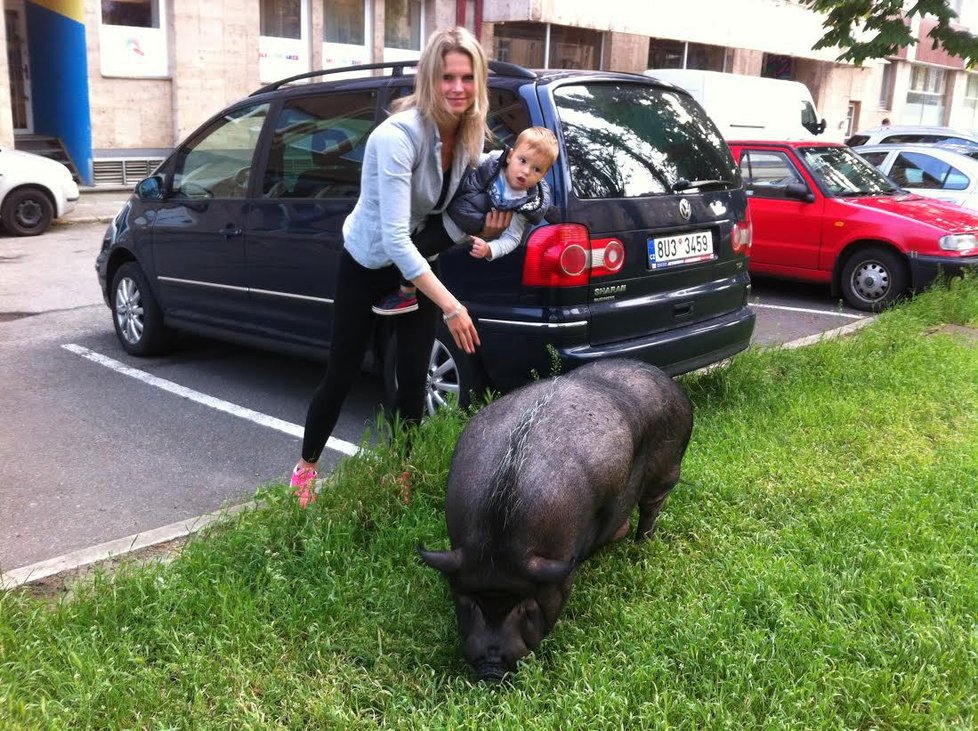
{"x": 563, "y": 255}
{"x": 741, "y": 236}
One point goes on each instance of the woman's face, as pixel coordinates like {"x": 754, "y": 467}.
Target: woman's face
{"x": 457, "y": 83}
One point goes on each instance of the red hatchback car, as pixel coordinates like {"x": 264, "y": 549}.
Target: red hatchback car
{"x": 823, "y": 214}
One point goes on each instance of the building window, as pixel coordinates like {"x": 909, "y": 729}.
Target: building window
{"x": 281, "y": 18}
{"x": 133, "y": 13}
{"x": 971, "y": 102}
{"x": 283, "y": 47}
{"x": 886, "y": 87}
{"x": 574, "y": 48}
{"x": 666, "y": 54}
{"x": 402, "y": 24}
{"x": 521, "y": 43}
{"x": 132, "y": 39}
{"x": 537, "y": 45}
{"x": 925, "y": 99}
{"x": 776, "y": 66}
{"x": 344, "y": 21}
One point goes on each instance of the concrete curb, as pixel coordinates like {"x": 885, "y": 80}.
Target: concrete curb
{"x": 114, "y": 549}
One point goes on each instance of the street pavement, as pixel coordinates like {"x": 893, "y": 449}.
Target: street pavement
{"x": 97, "y": 205}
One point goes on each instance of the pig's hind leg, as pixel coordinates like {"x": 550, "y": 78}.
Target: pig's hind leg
{"x": 657, "y": 489}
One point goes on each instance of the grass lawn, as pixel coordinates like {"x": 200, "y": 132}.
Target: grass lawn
{"x": 817, "y": 568}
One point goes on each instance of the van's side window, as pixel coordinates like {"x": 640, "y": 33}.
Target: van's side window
{"x": 767, "y": 173}
{"x": 218, "y": 163}
{"x": 317, "y": 149}
{"x": 507, "y": 118}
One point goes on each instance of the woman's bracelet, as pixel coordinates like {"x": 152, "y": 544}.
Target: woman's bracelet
{"x": 455, "y": 313}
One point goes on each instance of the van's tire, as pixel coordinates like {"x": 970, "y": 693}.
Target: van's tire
{"x": 136, "y": 315}
{"x": 874, "y": 278}
{"x": 450, "y": 371}
{"x": 26, "y": 212}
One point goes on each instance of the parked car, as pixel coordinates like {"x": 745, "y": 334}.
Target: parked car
{"x": 34, "y": 190}
{"x": 933, "y": 171}
{"x": 912, "y": 134}
{"x": 238, "y": 234}
{"x": 821, "y": 213}
{"x": 757, "y": 106}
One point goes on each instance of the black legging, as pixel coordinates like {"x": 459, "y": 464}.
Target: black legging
{"x": 357, "y": 289}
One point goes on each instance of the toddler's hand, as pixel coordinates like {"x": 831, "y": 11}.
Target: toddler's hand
{"x": 480, "y": 249}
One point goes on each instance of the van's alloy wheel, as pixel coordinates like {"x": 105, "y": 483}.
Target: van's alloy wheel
{"x": 136, "y": 315}
{"x": 450, "y": 371}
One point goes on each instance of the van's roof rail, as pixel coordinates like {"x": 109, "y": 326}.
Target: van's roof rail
{"x": 397, "y": 69}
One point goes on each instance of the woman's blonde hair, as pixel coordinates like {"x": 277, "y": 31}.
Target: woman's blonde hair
{"x": 472, "y": 130}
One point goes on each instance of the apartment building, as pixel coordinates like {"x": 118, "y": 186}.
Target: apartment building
{"x": 115, "y": 84}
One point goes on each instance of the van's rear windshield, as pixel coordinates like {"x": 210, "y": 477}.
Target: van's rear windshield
{"x": 635, "y": 140}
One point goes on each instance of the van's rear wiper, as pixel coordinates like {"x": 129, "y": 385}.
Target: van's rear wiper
{"x": 683, "y": 184}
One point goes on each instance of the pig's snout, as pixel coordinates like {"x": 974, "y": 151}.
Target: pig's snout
{"x": 491, "y": 669}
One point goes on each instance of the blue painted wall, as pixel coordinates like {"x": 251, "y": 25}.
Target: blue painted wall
{"x": 59, "y": 79}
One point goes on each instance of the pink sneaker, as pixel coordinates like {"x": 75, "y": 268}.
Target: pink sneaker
{"x": 302, "y": 482}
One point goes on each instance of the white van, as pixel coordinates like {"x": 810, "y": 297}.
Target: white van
{"x": 750, "y": 107}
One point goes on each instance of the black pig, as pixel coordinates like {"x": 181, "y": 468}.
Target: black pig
{"x": 541, "y": 479}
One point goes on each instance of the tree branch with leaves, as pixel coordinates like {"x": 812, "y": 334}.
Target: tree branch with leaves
{"x": 867, "y": 29}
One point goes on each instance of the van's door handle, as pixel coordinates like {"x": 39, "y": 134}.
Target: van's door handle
{"x": 683, "y": 310}
{"x": 230, "y": 230}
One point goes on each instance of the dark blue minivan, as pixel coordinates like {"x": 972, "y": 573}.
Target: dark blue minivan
{"x": 237, "y": 235}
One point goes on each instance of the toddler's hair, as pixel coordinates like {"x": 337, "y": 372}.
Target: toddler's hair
{"x": 541, "y": 140}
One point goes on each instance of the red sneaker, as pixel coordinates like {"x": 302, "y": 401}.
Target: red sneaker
{"x": 396, "y": 303}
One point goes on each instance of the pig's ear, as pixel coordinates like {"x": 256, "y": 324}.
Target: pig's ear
{"x": 548, "y": 570}
{"x": 448, "y": 562}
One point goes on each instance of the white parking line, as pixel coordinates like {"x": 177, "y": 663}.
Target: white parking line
{"x": 833, "y": 313}
{"x": 202, "y": 398}
{"x": 94, "y": 554}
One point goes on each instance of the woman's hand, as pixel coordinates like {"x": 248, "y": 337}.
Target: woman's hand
{"x": 454, "y": 314}
{"x": 462, "y": 328}
{"x": 496, "y": 223}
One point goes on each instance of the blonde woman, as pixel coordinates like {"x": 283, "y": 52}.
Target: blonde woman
{"x": 412, "y": 165}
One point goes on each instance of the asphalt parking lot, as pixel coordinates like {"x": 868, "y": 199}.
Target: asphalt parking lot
{"x": 101, "y": 450}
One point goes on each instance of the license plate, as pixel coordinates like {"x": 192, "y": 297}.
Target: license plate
{"x": 687, "y": 248}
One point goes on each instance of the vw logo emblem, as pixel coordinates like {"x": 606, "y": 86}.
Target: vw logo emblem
{"x": 684, "y": 210}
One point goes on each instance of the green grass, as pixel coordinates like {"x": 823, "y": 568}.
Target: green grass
{"x": 815, "y": 569}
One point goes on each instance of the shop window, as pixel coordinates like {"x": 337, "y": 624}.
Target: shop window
{"x": 520, "y": 43}
{"x": 667, "y": 54}
{"x": 281, "y": 18}
{"x": 344, "y": 21}
{"x": 133, "y": 13}
{"x": 402, "y": 24}
{"x": 776, "y": 66}
{"x": 132, "y": 39}
{"x": 283, "y": 46}
{"x": 346, "y": 40}
{"x": 574, "y": 48}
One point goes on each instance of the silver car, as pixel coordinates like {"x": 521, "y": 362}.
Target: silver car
{"x": 929, "y": 170}
{"x": 915, "y": 134}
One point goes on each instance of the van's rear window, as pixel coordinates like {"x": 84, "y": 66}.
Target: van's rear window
{"x": 634, "y": 140}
